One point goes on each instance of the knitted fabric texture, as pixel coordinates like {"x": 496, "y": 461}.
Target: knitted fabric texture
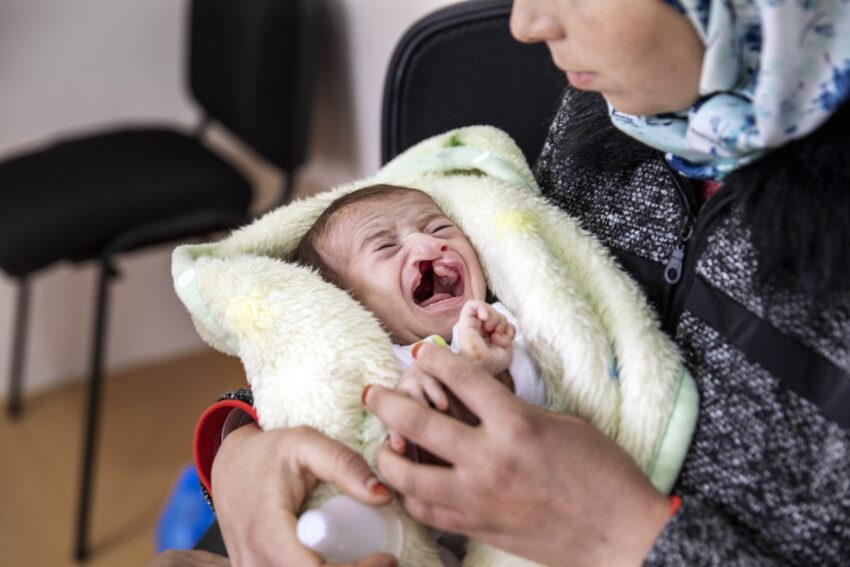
{"x": 766, "y": 478}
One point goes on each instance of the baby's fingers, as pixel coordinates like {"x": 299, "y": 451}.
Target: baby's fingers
{"x": 503, "y": 335}
{"x": 475, "y": 310}
{"x": 495, "y": 321}
{"x": 397, "y": 442}
{"x": 436, "y": 394}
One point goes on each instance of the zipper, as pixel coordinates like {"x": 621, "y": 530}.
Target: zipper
{"x": 692, "y": 231}
{"x": 676, "y": 262}
{"x": 675, "y": 266}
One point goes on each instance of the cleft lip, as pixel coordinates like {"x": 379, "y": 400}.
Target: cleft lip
{"x": 426, "y": 293}
{"x": 421, "y": 270}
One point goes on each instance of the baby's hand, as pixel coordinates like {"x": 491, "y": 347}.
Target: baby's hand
{"x": 421, "y": 387}
{"x": 486, "y": 335}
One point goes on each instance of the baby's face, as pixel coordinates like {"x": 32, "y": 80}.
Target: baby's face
{"x": 408, "y": 264}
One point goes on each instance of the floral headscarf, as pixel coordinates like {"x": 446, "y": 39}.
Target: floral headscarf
{"x": 773, "y": 71}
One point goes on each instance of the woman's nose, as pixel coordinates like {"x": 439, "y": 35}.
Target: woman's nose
{"x": 532, "y": 23}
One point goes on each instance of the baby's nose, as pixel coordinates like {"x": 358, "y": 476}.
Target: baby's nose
{"x": 427, "y": 247}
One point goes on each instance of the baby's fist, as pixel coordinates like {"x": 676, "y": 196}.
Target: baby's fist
{"x": 486, "y": 335}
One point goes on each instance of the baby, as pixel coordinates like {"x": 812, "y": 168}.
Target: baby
{"x": 394, "y": 250}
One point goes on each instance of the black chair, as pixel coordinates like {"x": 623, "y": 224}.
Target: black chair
{"x": 456, "y": 67}
{"x": 250, "y": 70}
{"x": 460, "y": 66}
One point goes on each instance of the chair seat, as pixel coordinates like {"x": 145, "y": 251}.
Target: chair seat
{"x": 71, "y": 199}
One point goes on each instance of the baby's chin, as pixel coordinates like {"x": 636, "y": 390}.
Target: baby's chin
{"x": 444, "y": 329}
{"x": 441, "y": 328}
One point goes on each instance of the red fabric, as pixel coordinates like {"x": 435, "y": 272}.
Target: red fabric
{"x": 675, "y": 502}
{"x": 709, "y": 188}
{"x": 208, "y": 435}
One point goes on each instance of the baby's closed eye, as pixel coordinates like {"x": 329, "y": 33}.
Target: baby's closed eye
{"x": 441, "y": 227}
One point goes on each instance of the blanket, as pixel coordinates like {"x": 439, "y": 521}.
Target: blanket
{"x": 309, "y": 348}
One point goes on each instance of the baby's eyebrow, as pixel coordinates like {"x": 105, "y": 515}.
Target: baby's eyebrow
{"x": 434, "y": 216}
{"x": 381, "y": 233}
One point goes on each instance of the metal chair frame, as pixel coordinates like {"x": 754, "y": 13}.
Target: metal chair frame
{"x": 198, "y": 222}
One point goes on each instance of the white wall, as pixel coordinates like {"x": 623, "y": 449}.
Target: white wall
{"x": 68, "y": 66}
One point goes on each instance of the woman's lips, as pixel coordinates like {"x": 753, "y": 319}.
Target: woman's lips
{"x": 581, "y": 79}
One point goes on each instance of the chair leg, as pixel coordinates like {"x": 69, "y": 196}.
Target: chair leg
{"x": 18, "y": 348}
{"x": 81, "y": 550}
{"x": 287, "y": 190}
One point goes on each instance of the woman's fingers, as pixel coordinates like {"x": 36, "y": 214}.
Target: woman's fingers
{"x": 442, "y": 517}
{"x": 477, "y": 389}
{"x": 434, "y": 482}
{"x": 333, "y": 462}
{"x": 433, "y": 431}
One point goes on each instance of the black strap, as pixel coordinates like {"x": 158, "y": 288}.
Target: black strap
{"x": 802, "y": 370}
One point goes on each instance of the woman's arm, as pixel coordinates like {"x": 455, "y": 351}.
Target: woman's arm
{"x": 544, "y": 486}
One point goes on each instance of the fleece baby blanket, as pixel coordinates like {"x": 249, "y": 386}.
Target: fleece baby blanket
{"x": 309, "y": 349}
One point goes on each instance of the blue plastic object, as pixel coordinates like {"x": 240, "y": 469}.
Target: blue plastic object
{"x": 186, "y": 515}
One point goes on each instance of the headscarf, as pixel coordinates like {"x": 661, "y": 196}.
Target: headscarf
{"x": 773, "y": 71}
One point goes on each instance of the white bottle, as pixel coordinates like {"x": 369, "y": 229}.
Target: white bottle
{"x": 343, "y": 530}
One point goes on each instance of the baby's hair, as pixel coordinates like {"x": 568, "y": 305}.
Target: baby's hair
{"x": 308, "y": 253}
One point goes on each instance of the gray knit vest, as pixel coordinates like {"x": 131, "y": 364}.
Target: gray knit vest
{"x": 767, "y": 477}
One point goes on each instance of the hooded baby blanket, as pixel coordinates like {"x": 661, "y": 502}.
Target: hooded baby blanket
{"x": 309, "y": 348}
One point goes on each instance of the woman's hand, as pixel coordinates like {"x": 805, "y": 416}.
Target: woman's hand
{"x": 260, "y": 480}
{"x": 544, "y": 486}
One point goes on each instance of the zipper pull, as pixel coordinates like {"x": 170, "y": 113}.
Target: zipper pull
{"x": 673, "y": 269}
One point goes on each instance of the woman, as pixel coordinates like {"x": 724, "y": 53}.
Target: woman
{"x": 753, "y": 286}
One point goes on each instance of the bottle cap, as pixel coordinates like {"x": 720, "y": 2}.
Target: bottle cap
{"x": 344, "y": 530}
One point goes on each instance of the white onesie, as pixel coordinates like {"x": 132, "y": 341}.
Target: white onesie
{"x": 528, "y": 385}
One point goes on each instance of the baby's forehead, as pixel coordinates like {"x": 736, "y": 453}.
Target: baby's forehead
{"x": 358, "y": 219}
{"x": 385, "y": 210}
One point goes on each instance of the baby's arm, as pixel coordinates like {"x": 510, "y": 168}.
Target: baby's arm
{"x": 423, "y": 388}
{"x": 486, "y": 335}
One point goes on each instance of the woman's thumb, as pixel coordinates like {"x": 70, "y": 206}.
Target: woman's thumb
{"x": 333, "y": 462}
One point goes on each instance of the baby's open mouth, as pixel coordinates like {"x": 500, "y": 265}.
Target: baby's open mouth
{"x": 437, "y": 282}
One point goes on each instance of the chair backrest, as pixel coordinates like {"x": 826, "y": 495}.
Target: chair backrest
{"x": 460, "y": 66}
{"x": 251, "y": 69}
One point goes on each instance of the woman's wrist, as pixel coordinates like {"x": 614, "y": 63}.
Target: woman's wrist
{"x": 633, "y": 522}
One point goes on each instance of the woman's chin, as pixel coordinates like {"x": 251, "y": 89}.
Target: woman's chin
{"x": 643, "y": 107}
